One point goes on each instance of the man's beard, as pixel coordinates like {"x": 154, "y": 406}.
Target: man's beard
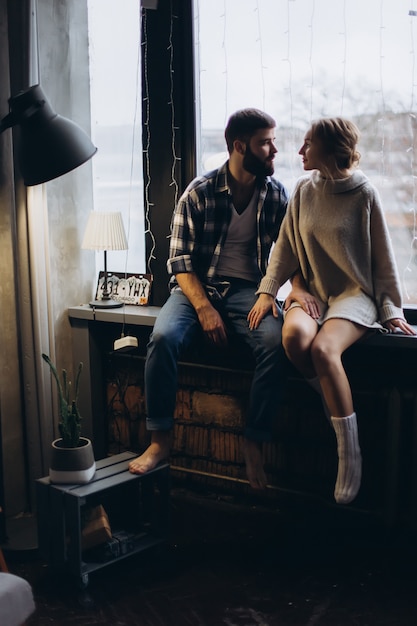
{"x": 255, "y": 165}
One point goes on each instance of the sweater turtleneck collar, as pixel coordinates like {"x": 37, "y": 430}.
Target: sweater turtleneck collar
{"x": 354, "y": 181}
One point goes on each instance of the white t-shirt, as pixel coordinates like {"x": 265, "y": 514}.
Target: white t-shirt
{"x": 238, "y": 255}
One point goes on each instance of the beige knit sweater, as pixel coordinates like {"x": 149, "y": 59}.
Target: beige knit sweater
{"x": 335, "y": 233}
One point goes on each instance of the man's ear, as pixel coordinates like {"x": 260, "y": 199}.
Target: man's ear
{"x": 239, "y": 146}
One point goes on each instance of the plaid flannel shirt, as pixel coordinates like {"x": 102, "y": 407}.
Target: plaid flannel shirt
{"x": 201, "y": 219}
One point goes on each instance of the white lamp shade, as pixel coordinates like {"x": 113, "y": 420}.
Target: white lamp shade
{"x": 105, "y": 231}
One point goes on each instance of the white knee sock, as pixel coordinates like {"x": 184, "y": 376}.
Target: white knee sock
{"x": 315, "y": 384}
{"x": 350, "y": 460}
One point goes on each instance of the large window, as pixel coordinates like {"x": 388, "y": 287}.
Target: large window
{"x": 298, "y": 60}
{"x": 114, "y": 44}
{"x": 303, "y": 59}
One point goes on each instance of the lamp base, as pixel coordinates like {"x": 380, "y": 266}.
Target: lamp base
{"x": 105, "y": 304}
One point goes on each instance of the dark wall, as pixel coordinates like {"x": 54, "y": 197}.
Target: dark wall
{"x": 168, "y": 125}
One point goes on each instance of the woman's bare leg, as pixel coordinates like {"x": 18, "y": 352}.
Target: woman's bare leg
{"x": 335, "y": 336}
{"x": 298, "y": 333}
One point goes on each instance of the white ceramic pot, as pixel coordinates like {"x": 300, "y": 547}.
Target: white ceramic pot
{"x": 72, "y": 465}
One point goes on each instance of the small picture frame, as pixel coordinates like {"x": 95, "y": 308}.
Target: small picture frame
{"x": 126, "y": 288}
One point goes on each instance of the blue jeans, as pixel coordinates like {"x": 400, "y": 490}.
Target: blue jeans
{"x": 175, "y": 329}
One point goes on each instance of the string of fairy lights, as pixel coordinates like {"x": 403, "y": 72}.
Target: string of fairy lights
{"x": 146, "y": 146}
{"x": 287, "y": 60}
{"x": 344, "y": 61}
{"x": 147, "y": 142}
{"x": 310, "y": 56}
{"x": 410, "y": 266}
{"x": 381, "y": 85}
{"x": 261, "y": 53}
{"x": 225, "y": 69}
{"x": 174, "y": 127}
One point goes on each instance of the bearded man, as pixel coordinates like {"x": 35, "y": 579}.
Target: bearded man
{"x": 222, "y": 232}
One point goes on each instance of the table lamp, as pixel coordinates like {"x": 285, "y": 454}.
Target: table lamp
{"x": 105, "y": 231}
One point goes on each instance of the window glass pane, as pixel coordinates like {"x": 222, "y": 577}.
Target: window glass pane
{"x": 304, "y": 59}
{"x": 114, "y": 44}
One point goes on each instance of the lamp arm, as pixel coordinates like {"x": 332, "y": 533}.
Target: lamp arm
{"x": 13, "y": 118}
{"x": 7, "y": 122}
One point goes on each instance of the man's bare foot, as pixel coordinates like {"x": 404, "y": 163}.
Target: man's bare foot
{"x": 157, "y": 451}
{"x": 254, "y": 464}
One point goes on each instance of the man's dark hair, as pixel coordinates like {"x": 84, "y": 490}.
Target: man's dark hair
{"x": 243, "y": 125}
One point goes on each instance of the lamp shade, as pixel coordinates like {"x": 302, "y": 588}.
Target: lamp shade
{"x": 49, "y": 145}
{"x": 105, "y": 231}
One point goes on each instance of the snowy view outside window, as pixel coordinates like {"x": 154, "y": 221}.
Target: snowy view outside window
{"x": 296, "y": 59}
{"x": 116, "y": 125}
{"x": 303, "y": 59}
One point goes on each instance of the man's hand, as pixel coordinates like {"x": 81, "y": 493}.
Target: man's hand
{"x": 261, "y": 307}
{"x": 209, "y": 318}
{"x": 304, "y": 298}
{"x": 212, "y": 324}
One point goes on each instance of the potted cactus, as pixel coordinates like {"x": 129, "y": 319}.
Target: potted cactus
{"x": 72, "y": 457}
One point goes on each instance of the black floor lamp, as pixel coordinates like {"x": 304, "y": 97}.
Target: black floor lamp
{"x": 47, "y": 146}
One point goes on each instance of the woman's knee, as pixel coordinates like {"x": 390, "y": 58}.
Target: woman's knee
{"x": 295, "y": 340}
{"x": 323, "y": 353}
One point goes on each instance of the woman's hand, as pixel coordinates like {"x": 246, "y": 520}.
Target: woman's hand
{"x": 304, "y": 298}
{"x": 398, "y": 325}
{"x": 261, "y": 307}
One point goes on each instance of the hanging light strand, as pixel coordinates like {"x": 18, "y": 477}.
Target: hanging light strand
{"x": 146, "y": 103}
{"x": 292, "y": 144}
{"x": 261, "y": 53}
{"x": 224, "y": 48}
{"x": 381, "y": 85}
{"x": 174, "y": 128}
{"x": 409, "y": 269}
{"x": 413, "y": 18}
{"x": 310, "y": 59}
{"x": 344, "y": 62}
{"x": 288, "y": 61}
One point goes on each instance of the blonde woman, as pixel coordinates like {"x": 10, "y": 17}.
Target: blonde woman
{"x": 335, "y": 234}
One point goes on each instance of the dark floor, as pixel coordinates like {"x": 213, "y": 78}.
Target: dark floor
{"x": 243, "y": 566}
